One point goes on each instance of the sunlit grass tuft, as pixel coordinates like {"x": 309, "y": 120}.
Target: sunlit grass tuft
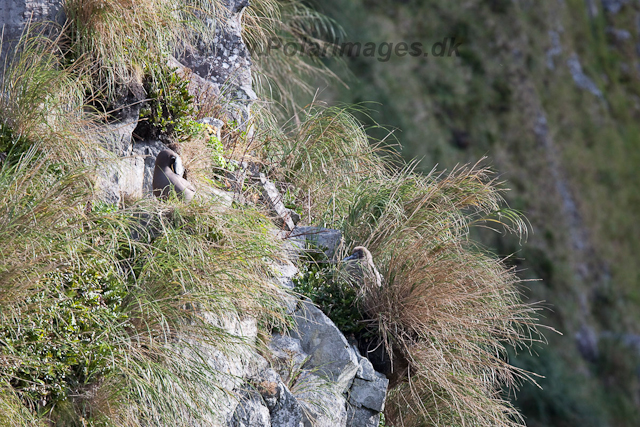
{"x": 272, "y": 31}
{"x": 325, "y": 154}
{"x": 118, "y": 314}
{"x": 41, "y": 101}
{"x": 446, "y": 311}
{"x": 119, "y": 38}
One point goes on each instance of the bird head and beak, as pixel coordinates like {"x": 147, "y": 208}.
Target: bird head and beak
{"x": 358, "y": 253}
{"x": 176, "y": 165}
{"x": 351, "y": 257}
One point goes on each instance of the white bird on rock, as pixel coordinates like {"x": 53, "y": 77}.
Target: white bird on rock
{"x": 366, "y": 266}
{"x": 167, "y": 173}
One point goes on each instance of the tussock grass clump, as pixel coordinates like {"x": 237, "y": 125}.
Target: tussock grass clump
{"x": 446, "y": 312}
{"x": 119, "y": 38}
{"x": 325, "y": 155}
{"x": 100, "y": 308}
{"x": 450, "y": 314}
{"x": 34, "y": 191}
{"x": 439, "y": 204}
{"x": 41, "y": 102}
{"x": 13, "y": 413}
{"x": 279, "y": 74}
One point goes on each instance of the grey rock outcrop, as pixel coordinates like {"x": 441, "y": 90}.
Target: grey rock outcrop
{"x": 330, "y": 353}
{"x": 15, "y": 15}
{"x": 334, "y": 384}
{"x": 369, "y": 388}
{"x": 367, "y": 396}
{"x": 124, "y": 177}
{"x": 325, "y": 239}
{"x": 287, "y": 353}
{"x": 324, "y": 406}
{"x": 226, "y": 63}
{"x": 296, "y": 391}
{"x": 362, "y": 417}
{"x": 131, "y": 174}
{"x": 251, "y": 412}
{"x": 580, "y": 78}
{"x": 284, "y": 409}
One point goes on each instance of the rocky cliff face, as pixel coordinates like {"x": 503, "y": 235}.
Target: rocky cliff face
{"x": 15, "y": 14}
{"x": 311, "y": 376}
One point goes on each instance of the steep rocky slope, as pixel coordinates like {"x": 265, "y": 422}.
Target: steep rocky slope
{"x": 307, "y": 376}
{"x": 122, "y": 306}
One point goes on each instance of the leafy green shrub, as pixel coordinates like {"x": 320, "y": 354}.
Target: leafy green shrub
{"x": 170, "y": 113}
{"x": 170, "y": 108}
{"x": 217, "y": 149}
{"x": 337, "y": 298}
{"x": 58, "y": 339}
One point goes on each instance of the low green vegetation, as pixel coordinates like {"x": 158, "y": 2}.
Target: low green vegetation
{"x": 336, "y": 296}
{"x": 12, "y": 144}
{"x": 59, "y": 337}
{"x": 170, "y": 109}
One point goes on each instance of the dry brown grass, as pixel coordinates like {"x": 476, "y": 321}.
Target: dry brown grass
{"x": 446, "y": 309}
{"x": 41, "y": 101}
{"x": 197, "y": 156}
{"x": 451, "y": 312}
{"x": 119, "y": 38}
